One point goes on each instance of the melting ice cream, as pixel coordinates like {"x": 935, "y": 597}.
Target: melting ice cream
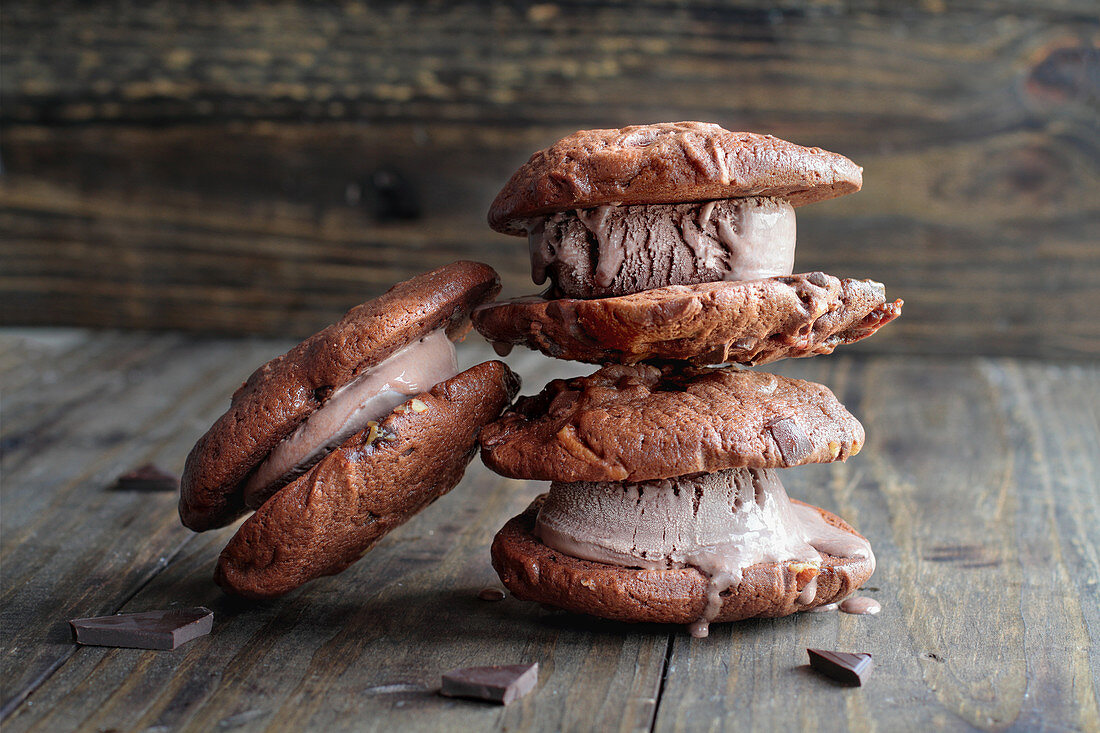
{"x": 369, "y": 397}
{"x": 720, "y": 523}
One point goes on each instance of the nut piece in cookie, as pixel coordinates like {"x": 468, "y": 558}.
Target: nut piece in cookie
{"x": 299, "y": 406}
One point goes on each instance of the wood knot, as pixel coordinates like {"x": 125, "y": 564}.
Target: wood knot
{"x": 1066, "y": 72}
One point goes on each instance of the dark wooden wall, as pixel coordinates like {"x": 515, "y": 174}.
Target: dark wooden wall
{"x": 249, "y": 167}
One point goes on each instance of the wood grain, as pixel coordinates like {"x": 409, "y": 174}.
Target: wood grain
{"x": 71, "y": 547}
{"x": 259, "y": 169}
{"x": 977, "y": 489}
{"x": 986, "y": 572}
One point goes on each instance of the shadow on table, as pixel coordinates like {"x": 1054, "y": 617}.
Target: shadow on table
{"x": 413, "y": 612}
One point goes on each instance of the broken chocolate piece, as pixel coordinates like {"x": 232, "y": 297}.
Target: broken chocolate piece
{"x": 147, "y": 630}
{"x": 148, "y": 478}
{"x": 841, "y": 666}
{"x": 500, "y": 684}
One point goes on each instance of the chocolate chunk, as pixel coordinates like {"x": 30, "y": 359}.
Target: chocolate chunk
{"x": 491, "y": 594}
{"x": 792, "y": 440}
{"x": 500, "y": 684}
{"x": 147, "y": 630}
{"x": 148, "y": 478}
{"x": 841, "y": 666}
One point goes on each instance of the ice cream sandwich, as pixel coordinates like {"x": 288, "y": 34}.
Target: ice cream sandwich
{"x": 664, "y": 504}
{"x": 347, "y": 435}
{"x": 650, "y": 237}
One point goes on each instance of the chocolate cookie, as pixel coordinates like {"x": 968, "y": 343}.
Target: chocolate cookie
{"x": 641, "y": 422}
{"x": 746, "y": 322}
{"x": 328, "y": 518}
{"x": 667, "y": 163}
{"x": 283, "y": 393}
{"x": 534, "y": 572}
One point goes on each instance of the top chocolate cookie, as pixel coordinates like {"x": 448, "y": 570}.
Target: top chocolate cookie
{"x": 279, "y": 396}
{"x": 667, "y": 163}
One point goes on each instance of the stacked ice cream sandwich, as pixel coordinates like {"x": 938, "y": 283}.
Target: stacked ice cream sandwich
{"x": 669, "y": 249}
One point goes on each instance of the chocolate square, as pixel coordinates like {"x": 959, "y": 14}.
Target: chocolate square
{"x": 499, "y": 684}
{"x": 146, "y": 630}
{"x": 843, "y": 667}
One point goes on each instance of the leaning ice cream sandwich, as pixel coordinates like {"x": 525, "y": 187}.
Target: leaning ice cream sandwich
{"x": 670, "y": 248}
{"x": 347, "y": 435}
{"x": 676, "y": 241}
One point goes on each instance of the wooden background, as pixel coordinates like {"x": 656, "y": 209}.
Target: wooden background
{"x": 253, "y": 167}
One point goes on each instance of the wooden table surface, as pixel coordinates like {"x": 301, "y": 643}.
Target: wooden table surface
{"x": 977, "y": 488}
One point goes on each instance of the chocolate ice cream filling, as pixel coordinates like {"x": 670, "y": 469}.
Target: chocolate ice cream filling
{"x": 618, "y": 250}
{"x": 372, "y": 395}
{"x": 719, "y": 523}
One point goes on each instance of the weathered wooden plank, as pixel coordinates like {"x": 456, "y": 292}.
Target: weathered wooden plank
{"x": 70, "y": 546}
{"x": 484, "y": 61}
{"x": 263, "y": 197}
{"x": 22, "y": 356}
{"x": 102, "y": 367}
{"x": 364, "y": 650}
{"x": 1051, "y": 417}
{"x": 977, "y": 488}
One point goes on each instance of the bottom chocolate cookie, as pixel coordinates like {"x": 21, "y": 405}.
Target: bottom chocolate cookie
{"x": 533, "y": 571}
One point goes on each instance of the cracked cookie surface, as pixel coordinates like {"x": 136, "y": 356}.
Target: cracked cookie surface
{"x": 643, "y": 422}
{"x": 667, "y": 163}
{"x": 747, "y": 322}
